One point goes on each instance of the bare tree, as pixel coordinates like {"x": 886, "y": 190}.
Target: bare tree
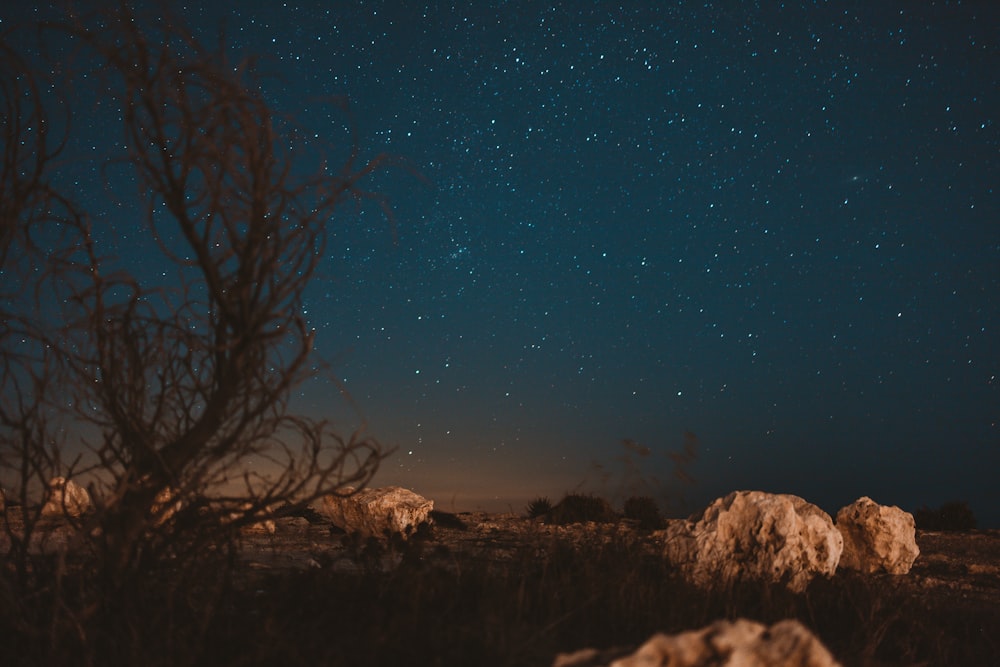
{"x": 179, "y": 385}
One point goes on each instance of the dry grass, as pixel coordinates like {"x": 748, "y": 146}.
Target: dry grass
{"x": 435, "y": 606}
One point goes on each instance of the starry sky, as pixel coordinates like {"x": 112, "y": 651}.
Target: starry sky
{"x": 775, "y": 228}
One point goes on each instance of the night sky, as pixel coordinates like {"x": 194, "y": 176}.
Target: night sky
{"x": 776, "y": 229}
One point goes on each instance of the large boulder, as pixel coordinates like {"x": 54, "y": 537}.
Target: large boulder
{"x": 877, "y": 538}
{"x": 389, "y": 510}
{"x": 754, "y": 535}
{"x": 66, "y": 498}
{"x": 739, "y": 643}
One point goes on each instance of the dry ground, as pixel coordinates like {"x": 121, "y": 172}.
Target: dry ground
{"x": 959, "y": 565}
{"x": 519, "y": 591}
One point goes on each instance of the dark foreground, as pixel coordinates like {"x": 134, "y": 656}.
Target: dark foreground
{"x": 497, "y": 590}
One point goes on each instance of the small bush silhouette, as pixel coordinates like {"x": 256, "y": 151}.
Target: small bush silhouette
{"x": 644, "y": 510}
{"x": 579, "y": 508}
{"x": 539, "y": 507}
{"x": 955, "y": 515}
{"x": 447, "y": 520}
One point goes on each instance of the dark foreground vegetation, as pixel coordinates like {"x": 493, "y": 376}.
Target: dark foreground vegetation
{"x": 954, "y": 515}
{"x": 422, "y": 602}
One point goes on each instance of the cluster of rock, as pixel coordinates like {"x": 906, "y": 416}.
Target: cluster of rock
{"x": 777, "y": 538}
{"x": 753, "y": 535}
{"x": 378, "y": 512}
{"x": 739, "y": 643}
{"x": 781, "y": 538}
{"x": 746, "y": 535}
{"x": 66, "y": 498}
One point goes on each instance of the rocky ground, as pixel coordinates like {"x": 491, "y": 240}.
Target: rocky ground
{"x": 951, "y": 595}
{"x": 962, "y": 565}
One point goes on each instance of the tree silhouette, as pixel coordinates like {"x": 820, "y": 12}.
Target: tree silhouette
{"x": 174, "y": 386}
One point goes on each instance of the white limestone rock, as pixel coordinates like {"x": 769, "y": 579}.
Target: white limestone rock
{"x": 259, "y": 527}
{"x": 165, "y": 505}
{"x": 66, "y": 498}
{"x": 246, "y": 510}
{"x": 378, "y": 511}
{"x": 755, "y": 535}
{"x": 877, "y": 538}
{"x": 739, "y": 643}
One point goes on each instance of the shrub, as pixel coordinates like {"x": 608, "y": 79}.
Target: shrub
{"x": 579, "y": 508}
{"x": 447, "y": 520}
{"x": 955, "y": 515}
{"x": 539, "y": 507}
{"x": 644, "y": 510}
